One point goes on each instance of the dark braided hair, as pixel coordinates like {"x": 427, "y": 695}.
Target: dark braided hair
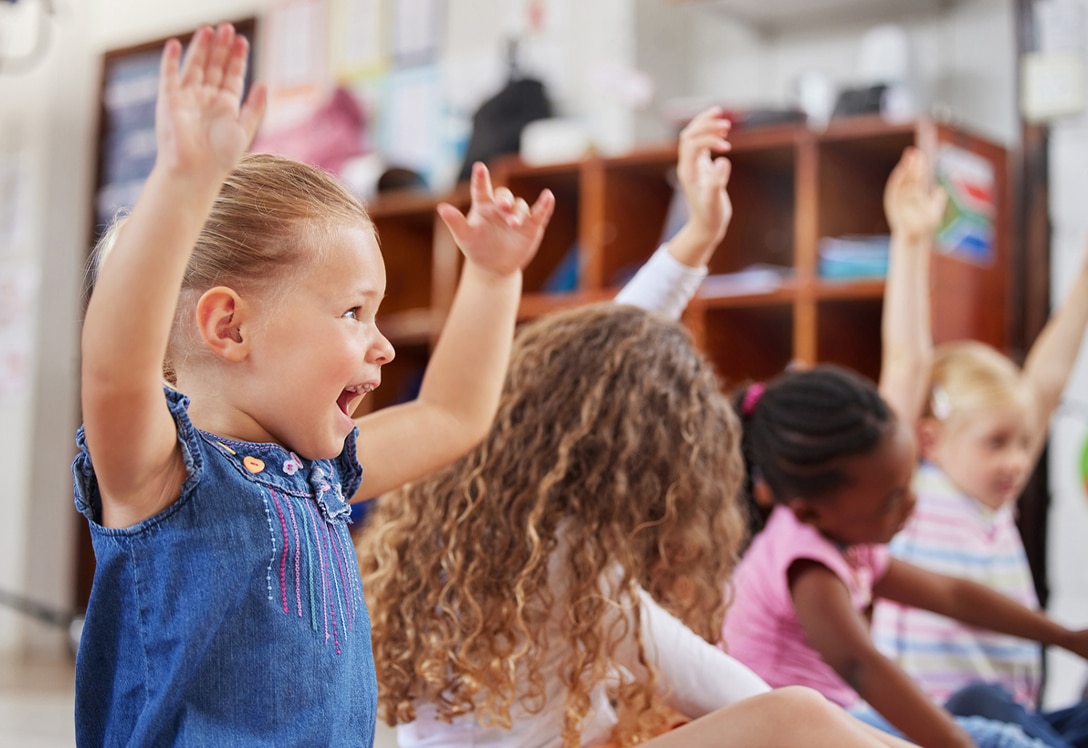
{"x": 798, "y": 430}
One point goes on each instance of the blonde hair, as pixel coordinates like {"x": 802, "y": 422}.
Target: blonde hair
{"x": 615, "y": 456}
{"x": 969, "y": 376}
{"x": 254, "y": 235}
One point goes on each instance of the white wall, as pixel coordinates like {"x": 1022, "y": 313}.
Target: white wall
{"x": 45, "y": 119}
{"x": 963, "y": 60}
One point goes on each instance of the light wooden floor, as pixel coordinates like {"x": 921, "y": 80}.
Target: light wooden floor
{"x": 36, "y": 703}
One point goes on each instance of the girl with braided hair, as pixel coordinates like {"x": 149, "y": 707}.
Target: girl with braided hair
{"x": 831, "y": 459}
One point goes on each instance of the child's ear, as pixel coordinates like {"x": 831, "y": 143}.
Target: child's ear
{"x": 807, "y": 512}
{"x": 928, "y": 432}
{"x": 220, "y": 313}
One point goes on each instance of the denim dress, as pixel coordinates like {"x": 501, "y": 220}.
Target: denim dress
{"x": 235, "y": 617}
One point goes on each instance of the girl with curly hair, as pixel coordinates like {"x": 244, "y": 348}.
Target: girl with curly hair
{"x": 561, "y": 584}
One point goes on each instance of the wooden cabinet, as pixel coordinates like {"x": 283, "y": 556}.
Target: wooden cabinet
{"x": 790, "y": 187}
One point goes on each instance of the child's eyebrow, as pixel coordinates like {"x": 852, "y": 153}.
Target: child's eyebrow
{"x": 371, "y": 293}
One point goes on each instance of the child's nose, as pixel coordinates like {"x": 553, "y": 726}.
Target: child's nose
{"x": 382, "y": 351}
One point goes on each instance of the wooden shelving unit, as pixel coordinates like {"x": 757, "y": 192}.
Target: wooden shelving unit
{"x": 789, "y": 187}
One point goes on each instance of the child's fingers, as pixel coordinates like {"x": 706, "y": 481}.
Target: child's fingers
{"x": 718, "y": 125}
{"x": 901, "y": 172}
{"x": 541, "y": 212}
{"x": 709, "y": 121}
{"x": 504, "y": 199}
{"x": 708, "y": 141}
{"x": 455, "y": 222}
{"x": 219, "y": 55}
{"x": 724, "y": 168}
{"x": 235, "y": 77}
{"x": 709, "y": 115}
{"x": 168, "y": 65}
{"x": 252, "y": 111}
{"x": 196, "y": 57}
{"x": 937, "y": 201}
{"x": 480, "y": 184}
{"x": 519, "y": 213}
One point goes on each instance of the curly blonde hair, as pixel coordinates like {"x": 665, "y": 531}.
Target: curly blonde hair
{"x": 613, "y": 433}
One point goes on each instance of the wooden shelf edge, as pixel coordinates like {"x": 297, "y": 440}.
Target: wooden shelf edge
{"x": 861, "y": 288}
{"x": 722, "y": 291}
{"x": 535, "y": 305}
{"x": 412, "y": 202}
{"x": 866, "y": 126}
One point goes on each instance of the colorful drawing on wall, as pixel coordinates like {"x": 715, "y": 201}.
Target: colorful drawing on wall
{"x": 355, "y": 38}
{"x": 410, "y": 114}
{"x": 967, "y": 231}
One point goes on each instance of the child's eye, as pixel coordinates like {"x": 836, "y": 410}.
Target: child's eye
{"x": 352, "y": 313}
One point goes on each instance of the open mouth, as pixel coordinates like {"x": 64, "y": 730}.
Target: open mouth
{"x": 349, "y": 395}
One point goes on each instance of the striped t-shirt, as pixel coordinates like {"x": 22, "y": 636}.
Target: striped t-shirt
{"x": 952, "y": 533}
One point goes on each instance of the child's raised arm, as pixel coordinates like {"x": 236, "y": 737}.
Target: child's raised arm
{"x": 841, "y": 636}
{"x": 463, "y": 380}
{"x": 201, "y": 131}
{"x": 703, "y": 179}
{"x": 1052, "y": 356}
{"x": 914, "y": 208}
{"x": 669, "y": 279}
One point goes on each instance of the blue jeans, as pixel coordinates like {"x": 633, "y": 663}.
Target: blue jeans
{"x": 986, "y": 733}
{"x": 1064, "y": 728}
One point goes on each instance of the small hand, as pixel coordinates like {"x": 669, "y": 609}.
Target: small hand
{"x": 913, "y": 205}
{"x": 200, "y": 121}
{"x": 704, "y": 178}
{"x": 500, "y": 233}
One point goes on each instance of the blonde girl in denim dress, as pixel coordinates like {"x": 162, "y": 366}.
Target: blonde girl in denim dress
{"x": 227, "y": 607}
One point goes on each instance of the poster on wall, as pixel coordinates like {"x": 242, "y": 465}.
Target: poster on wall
{"x": 418, "y": 26}
{"x": 967, "y": 230}
{"x": 355, "y": 38}
{"x": 410, "y": 134}
{"x": 127, "y": 148}
{"x": 296, "y": 59}
{"x": 126, "y": 145}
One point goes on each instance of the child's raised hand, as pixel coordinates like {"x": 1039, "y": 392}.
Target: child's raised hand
{"x": 200, "y": 122}
{"x": 501, "y": 233}
{"x": 703, "y": 178}
{"x": 913, "y": 205}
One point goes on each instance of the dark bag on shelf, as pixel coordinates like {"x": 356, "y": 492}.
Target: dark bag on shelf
{"x": 497, "y": 124}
